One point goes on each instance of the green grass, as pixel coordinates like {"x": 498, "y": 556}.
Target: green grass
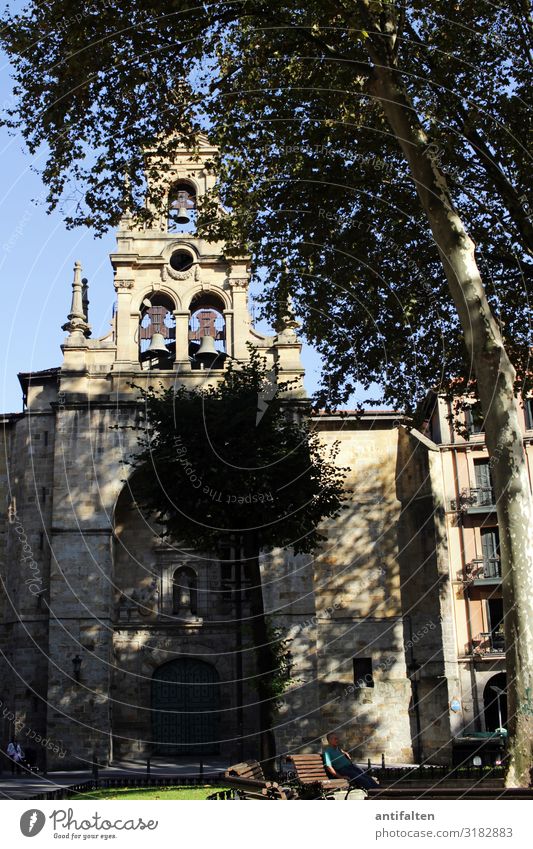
{"x": 191, "y": 792}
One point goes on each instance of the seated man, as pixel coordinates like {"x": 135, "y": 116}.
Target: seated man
{"x": 339, "y": 764}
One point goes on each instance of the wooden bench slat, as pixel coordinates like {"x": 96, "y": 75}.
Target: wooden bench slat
{"x": 251, "y": 768}
{"x": 249, "y": 780}
{"x": 310, "y": 770}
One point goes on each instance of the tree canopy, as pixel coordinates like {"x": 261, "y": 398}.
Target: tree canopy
{"x": 317, "y": 187}
{"x": 235, "y": 459}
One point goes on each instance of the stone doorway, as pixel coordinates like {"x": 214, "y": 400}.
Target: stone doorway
{"x": 495, "y": 692}
{"x": 185, "y": 708}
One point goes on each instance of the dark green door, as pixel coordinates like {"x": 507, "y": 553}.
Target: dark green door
{"x": 185, "y": 705}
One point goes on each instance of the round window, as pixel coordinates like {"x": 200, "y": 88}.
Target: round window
{"x": 181, "y": 260}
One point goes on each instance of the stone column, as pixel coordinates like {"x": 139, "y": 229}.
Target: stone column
{"x": 230, "y": 344}
{"x": 241, "y": 316}
{"x": 182, "y": 362}
{"x": 125, "y": 344}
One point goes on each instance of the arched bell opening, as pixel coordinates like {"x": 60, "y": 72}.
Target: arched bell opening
{"x": 207, "y": 332}
{"x": 157, "y": 332}
{"x": 182, "y": 208}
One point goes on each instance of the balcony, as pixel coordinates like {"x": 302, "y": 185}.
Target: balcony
{"x": 484, "y": 571}
{"x": 474, "y": 500}
{"x": 489, "y": 644}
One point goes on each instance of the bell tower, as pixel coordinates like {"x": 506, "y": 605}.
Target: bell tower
{"x": 181, "y": 307}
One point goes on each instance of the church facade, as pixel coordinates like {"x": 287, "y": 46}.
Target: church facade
{"x": 115, "y": 643}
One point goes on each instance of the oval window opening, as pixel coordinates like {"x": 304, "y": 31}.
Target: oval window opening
{"x": 181, "y": 261}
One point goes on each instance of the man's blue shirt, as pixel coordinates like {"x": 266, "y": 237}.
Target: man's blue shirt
{"x": 335, "y": 758}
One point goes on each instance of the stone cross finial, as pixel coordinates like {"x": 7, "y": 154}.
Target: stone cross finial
{"x": 286, "y": 319}
{"x": 77, "y": 322}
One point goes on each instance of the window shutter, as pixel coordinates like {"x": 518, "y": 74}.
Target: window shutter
{"x": 483, "y": 477}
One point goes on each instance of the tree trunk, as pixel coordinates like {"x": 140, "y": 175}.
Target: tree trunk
{"x": 263, "y": 654}
{"x": 495, "y": 377}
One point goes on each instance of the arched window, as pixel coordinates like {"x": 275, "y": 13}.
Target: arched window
{"x": 207, "y": 331}
{"x": 157, "y": 332}
{"x": 182, "y": 208}
{"x": 185, "y": 592}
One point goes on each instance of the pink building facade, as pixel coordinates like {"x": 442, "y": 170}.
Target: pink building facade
{"x": 471, "y": 540}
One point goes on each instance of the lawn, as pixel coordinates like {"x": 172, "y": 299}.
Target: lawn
{"x": 191, "y": 792}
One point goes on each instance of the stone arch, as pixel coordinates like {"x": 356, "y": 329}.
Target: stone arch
{"x": 149, "y": 292}
{"x": 183, "y": 177}
{"x": 495, "y": 702}
{"x": 182, "y": 200}
{"x": 196, "y": 292}
{"x": 157, "y": 330}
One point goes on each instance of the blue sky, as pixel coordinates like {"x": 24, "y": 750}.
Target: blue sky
{"x": 37, "y": 255}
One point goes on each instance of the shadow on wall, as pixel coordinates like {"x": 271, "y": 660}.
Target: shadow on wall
{"x": 175, "y": 683}
{"x": 359, "y": 610}
{"x": 426, "y": 598}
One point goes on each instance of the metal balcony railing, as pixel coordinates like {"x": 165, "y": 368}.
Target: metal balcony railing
{"x": 473, "y": 497}
{"x": 484, "y": 569}
{"x": 488, "y": 643}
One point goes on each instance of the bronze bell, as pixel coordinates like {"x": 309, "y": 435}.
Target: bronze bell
{"x": 207, "y": 348}
{"x": 182, "y": 216}
{"x": 157, "y": 345}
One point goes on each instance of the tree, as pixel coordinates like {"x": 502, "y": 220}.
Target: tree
{"x": 217, "y": 471}
{"x": 372, "y": 157}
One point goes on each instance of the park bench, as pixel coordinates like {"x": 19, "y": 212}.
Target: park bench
{"x": 249, "y": 781}
{"x": 313, "y": 779}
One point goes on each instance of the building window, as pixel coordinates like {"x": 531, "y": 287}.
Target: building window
{"x": 185, "y": 592}
{"x": 490, "y": 549}
{"x": 362, "y": 672}
{"x": 235, "y": 584}
{"x": 529, "y": 413}
{"x": 495, "y": 621}
{"x": 474, "y": 418}
{"x": 484, "y": 494}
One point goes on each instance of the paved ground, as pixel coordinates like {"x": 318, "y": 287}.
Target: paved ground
{"x": 28, "y": 785}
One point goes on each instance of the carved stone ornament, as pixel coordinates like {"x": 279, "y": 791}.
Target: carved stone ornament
{"x": 180, "y": 275}
{"x": 238, "y": 282}
{"x": 124, "y": 284}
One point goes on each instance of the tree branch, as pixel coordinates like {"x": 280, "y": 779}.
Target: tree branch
{"x": 507, "y": 191}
